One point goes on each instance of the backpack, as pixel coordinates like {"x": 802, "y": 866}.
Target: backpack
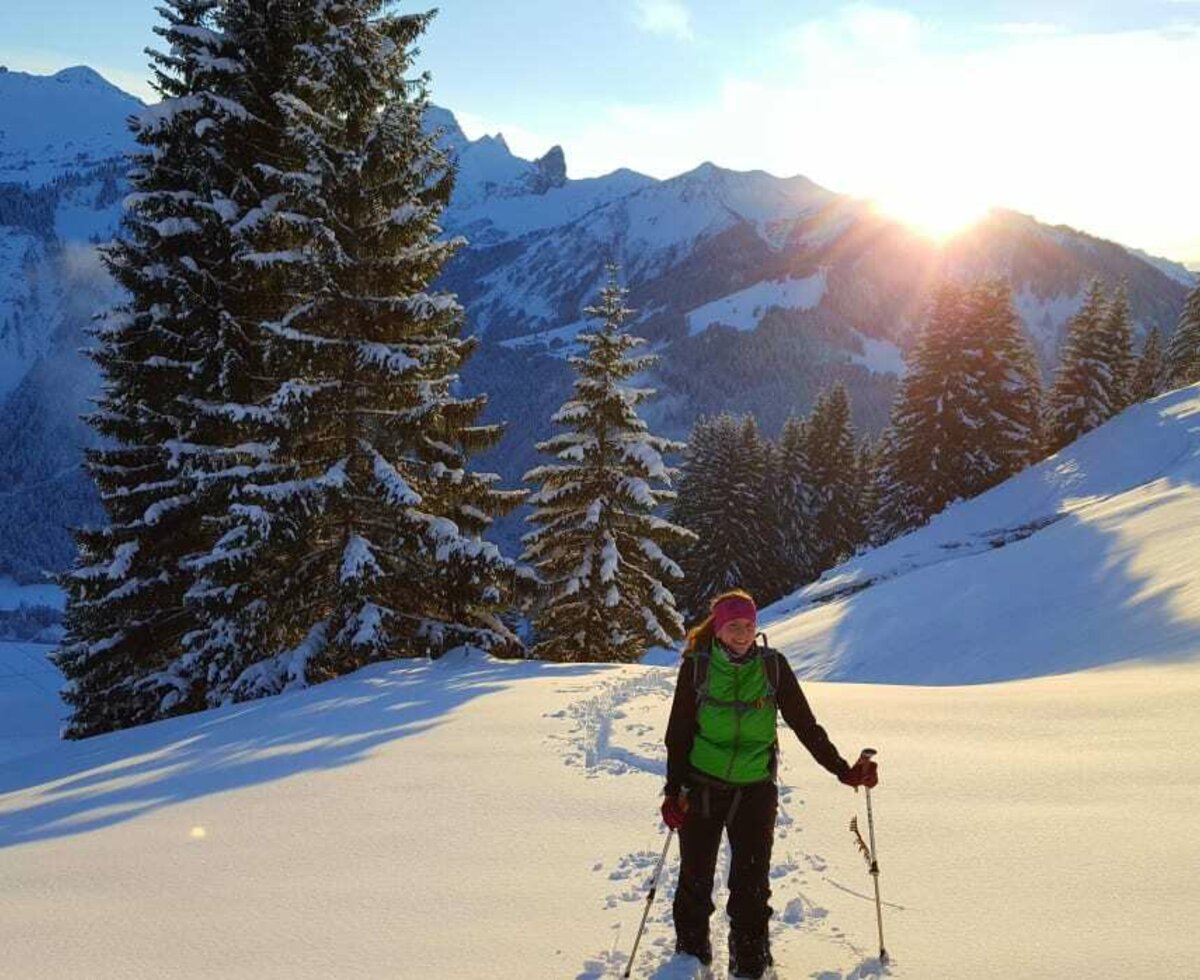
{"x": 770, "y": 658}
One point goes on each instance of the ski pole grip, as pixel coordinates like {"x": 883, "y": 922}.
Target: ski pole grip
{"x": 866, "y": 755}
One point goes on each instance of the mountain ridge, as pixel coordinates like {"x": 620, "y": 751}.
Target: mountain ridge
{"x": 714, "y": 260}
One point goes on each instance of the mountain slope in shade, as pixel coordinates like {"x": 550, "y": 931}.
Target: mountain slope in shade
{"x": 53, "y": 124}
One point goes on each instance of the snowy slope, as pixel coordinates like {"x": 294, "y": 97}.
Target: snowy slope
{"x": 473, "y": 818}
{"x": 1108, "y": 529}
{"x": 66, "y": 121}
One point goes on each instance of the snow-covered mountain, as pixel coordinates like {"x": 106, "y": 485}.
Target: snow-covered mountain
{"x": 757, "y": 290}
{"x": 477, "y": 818}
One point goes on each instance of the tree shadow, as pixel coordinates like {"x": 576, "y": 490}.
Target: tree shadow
{"x": 76, "y": 787}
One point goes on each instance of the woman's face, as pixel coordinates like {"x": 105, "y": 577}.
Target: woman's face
{"x": 737, "y": 635}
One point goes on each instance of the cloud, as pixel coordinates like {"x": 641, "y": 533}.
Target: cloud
{"x": 858, "y": 33}
{"x": 1027, "y": 28}
{"x": 668, "y": 17}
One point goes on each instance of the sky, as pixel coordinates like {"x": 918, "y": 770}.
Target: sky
{"x": 1074, "y": 112}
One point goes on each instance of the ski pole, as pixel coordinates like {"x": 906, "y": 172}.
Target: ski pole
{"x": 649, "y": 900}
{"x": 867, "y": 755}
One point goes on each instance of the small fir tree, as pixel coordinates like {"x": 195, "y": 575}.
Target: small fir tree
{"x": 795, "y": 505}
{"x": 1086, "y": 390}
{"x": 1150, "y": 376}
{"x": 1183, "y": 352}
{"x": 967, "y": 414}
{"x": 1117, "y": 329}
{"x": 837, "y": 528}
{"x": 599, "y": 548}
{"x": 730, "y": 475}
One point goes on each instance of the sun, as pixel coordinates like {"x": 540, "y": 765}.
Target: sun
{"x": 937, "y": 212}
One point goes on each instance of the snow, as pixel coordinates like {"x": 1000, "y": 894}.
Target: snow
{"x": 742, "y": 310}
{"x": 60, "y": 123}
{"x": 472, "y": 817}
{"x": 29, "y": 703}
{"x": 1173, "y": 270}
{"x": 880, "y": 357}
{"x": 13, "y": 595}
{"x": 1044, "y": 316}
{"x": 1107, "y": 529}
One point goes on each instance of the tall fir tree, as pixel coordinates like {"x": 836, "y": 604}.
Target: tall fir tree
{"x": 927, "y": 435}
{"x": 967, "y": 413}
{"x": 1149, "y": 377}
{"x": 290, "y": 495}
{"x": 356, "y": 533}
{"x": 795, "y": 505}
{"x": 1087, "y": 389}
{"x": 1183, "y": 352}
{"x": 600, "y": 549}
{"x": 1006, "y": 409}
{"x": 1117, "y": 329}
{"x": 722, "y": 499}
{"x": 127, "y": 612}
{"x": 836, "y": 527}
{"x": 867, "y": 462}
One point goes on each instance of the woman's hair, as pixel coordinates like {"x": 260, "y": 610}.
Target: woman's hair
{"x": 701, "y": 635}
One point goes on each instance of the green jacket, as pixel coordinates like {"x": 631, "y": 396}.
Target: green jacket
{"x": 735, "y": 734}
{"x": 727, "y": 732}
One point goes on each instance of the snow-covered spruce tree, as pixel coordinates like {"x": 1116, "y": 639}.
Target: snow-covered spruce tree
{"x": 837, "y": 528}
{"x": 126, "y": 612}
{"x": 1183, "y": 352}
{"x": 357, "y": 533}
{"x": 1149, "y": 377}
{"x": 599, "y": 548}
{"x": 867, "y": 464}
{"x": 1006, "y": 413}
{"x": 1085, "y": 392}
{"x": 966, "y": 416}
{"x": 1117, "y": 330}
{"x": 795, "y": 503}
{"x": 722, "y": 499}
{"x": 924, "y": 447}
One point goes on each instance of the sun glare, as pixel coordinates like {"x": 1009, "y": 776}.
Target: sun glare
{"x": 938, "y": 213}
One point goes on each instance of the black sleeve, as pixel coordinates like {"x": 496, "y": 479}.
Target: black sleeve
{"x": 681, "y": 729}
{"x": 796, "y": 712}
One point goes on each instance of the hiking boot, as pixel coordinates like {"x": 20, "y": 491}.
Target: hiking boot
{"x": 749, "y": 956}
{"x": 699, "y": 948}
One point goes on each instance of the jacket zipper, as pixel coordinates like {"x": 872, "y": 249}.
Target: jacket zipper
{"x": 737, "y": 719}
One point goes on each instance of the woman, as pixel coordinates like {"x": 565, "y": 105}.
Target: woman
{"x": 722, "y": 755}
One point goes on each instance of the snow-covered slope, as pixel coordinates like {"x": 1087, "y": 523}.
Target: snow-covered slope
{"x": 471, "y": 819}
{"x": 66, "y": 121}
{"x": 1087, "y": 558}
{"x": 474, "y": 818}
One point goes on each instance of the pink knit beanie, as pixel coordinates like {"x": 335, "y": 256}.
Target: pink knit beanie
{"x": 735, "y": 607}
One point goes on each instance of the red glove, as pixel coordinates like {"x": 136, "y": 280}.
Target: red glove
{"x": 674, "y": 811}
{"x": 863, "y": 773}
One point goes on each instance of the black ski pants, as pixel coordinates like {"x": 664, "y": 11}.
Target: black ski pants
{"x": 747, "y": 814}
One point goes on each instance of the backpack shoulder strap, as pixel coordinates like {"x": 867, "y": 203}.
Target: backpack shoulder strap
{"x": 771, "y": 668}
{"x": 700, "y": 675}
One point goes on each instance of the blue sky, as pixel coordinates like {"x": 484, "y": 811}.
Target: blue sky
{"x": 935, "y": 109}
